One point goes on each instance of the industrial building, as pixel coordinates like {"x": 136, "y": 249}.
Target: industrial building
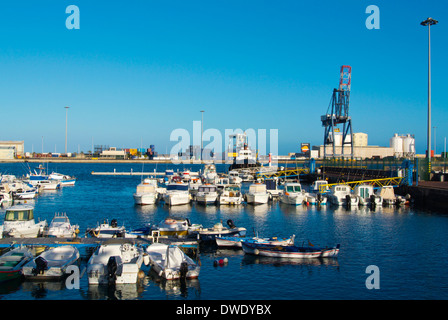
{"x": 11, "y": 149}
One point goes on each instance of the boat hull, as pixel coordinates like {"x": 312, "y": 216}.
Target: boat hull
{"x": 176, "y": 199}
{"x": 145, "y": 198}
{"x": 292, "y": 252}
{"x": 257, "y": 198}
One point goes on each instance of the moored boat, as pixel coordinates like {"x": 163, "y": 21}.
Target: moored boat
{"x": 51, "y": 264}
{"x": 146, "y": 192}
{"x": 106, "y": 230}
{"x": 231, "y": 194}
{"x": 257, "y": 194}
{"x": 293, "y": 194}
{"x": 12, "y": 262}
{"x": 177, "y": 193}
{"x": 115, "y": 263}
{"x": 19, "y": 222}
{"x": 169, "y": 262}
{"x": 209, "y": 234}
{"x": 175, "y": 227}
{"x": 60, "y": 227}
{"x": 207, "y": 194}
{"x": 229, "y": 241}
{"x": 294, "y": 252}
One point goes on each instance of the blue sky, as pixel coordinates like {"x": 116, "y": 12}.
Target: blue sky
{"x": 139, "y": 69}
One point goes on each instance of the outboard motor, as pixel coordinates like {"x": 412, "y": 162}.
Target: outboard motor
{"x": 41, "y": 266}
{"x": 114, "y": 223}
{"x": 231, "y": 224}
{"x": 183, "y": 270}
{"x": 348, "y": 201}
{"x": 188, "y": 222}
{"x": 112, "y": 267}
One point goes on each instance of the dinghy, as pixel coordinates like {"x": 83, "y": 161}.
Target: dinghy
{"x": 294, "y": 252}
{"x": 12, "y": 262}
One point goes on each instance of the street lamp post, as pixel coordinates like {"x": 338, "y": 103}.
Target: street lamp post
{"x": 66, "y": 117}
{"x": 429, "y": 22}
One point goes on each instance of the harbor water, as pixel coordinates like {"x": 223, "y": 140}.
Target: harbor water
{"x": 407, "y": 246}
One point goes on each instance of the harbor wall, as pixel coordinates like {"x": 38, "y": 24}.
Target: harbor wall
{"x": 431, "y": 196}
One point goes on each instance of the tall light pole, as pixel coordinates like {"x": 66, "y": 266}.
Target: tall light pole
{"x": 435, "y": 142}
{"x": 66, "y": 117}
{"x": 202, "y": 130}
{"x": 429, "y": 22}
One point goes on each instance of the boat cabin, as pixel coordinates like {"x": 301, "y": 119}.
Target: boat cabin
{"x": 293, "y": 188}
{"x": 207, "y": 188}
{"x": 257, "y": 188}
{"x": 19, "y": 213}
{"x": 177, "y": 187}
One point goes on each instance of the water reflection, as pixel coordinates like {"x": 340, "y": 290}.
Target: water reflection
{"x": 184, "y": 288}
{"x": 251, "y": 259}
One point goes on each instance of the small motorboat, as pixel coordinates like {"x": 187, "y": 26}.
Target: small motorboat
{"x": 231, "y": 194}
{"x": 171, "y": 263}
{"x": 60, "y": 227}
{"x": 366, "y": 195}
{"x": 257, "y": 194}
{"x": 19, "y": 222}
{"x": 178, "y": 227}
{"x": 12, "y": 262}
{"x": 228, "y": 241}
{"x": 234, "y": 177}
{"x": 106, "y": 230}
{"x": 207, "y": 194}
{"x": 341, "y": 195}
{"x": 115, "y": 263}
{"x": 64, "y": 179}
{"x": 293, "y": 252}
{"x": 146, "y": 192}
{"x": 293, "y": 194}
{"x": 51, "y": 264}
{"x": 209, "y": 234}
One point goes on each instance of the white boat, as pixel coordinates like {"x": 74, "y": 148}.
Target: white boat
{"x": 60, "y": 227}
{"x": 320, "y": 186}
{"x": 48, "y": 184}
{"x": 175, "y": 227}
{"x": 389, "y": 198}
{"x": 146, "y": 192}
{"x": 257, "y": 194}
{"x": 218, "y": 230}
{"x": 51, "y": 264}
{"x": 210, "y": 175}
{"x": 273, "y": 188}
{"x": 367, "y": 196}
{"x": 317, "y": 196}
{"x": 6, "y": 199}
{"x": 231, "y": 195}
{"x": 22, "y": 190}
{"x": 169, "y": 262}
{"x": 115, "y": 263}
{"x": 106, "y": 230}
{"x": 341, "y": 195}
{"x": 207, "y": 194}
{"x": 234, "y": 177}
{"x": 37, "y": 176}
{"x": 19, "y": 222}
{"x": 177, "y": 193}
{"x": 293, "y": 193}
{"x": 63, "y": 179}
{"x": 193, "y": 186}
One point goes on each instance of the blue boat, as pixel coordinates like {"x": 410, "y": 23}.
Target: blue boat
{"x": 229, "y": 241}
{"x": 294, "y": 252}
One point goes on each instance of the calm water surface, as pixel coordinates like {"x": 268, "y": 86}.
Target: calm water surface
{"x": 409, "y": 246}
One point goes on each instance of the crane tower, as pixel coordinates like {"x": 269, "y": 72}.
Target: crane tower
{"x": 337, "y": 114}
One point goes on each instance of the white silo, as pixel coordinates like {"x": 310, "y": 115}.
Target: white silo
{"x": 396, "y": 143}
{"x": 408, "y": 145}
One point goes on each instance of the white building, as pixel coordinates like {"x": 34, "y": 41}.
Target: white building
{"x": 11, "y": 149}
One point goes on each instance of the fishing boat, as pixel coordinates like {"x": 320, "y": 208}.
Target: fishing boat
{"x": 319, "y": 186}
{"x": 19, "y": 222}
{"x": 207, "y": 194}
{"x": 177, "y": 193}
{"x": 341, "y": 195}
{"x": 272, "y": 188}
{"x": 51, "y": 264}
{"x": 22, "y": 190}
{"x": 367, "y": 196}
{"x": 106, "y": 230}
{"x": 12, "y": 262}
{"x": 146, "y": 192}
{"x": 60, "y": 227}
{"x": 209, "y": 234}
{"x": 229, "y": 241}
{"x": 389, "y": 198}
{"x": 63, "y": 179}
{"x": 293, "y": 193}
{"x": 293, "y": 252}
{"x": 257, "y": 194}
{"x": 193, "y": 186}
{"x": 34, "y": 177}
{"x": 231, "y": 194}
{"x": 171, "y": 263}
{"x": 176, "y": 227}
{"x": 115, "y": 263}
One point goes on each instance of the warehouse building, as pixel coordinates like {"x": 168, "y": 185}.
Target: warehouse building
{"x": 11, "y": 149}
